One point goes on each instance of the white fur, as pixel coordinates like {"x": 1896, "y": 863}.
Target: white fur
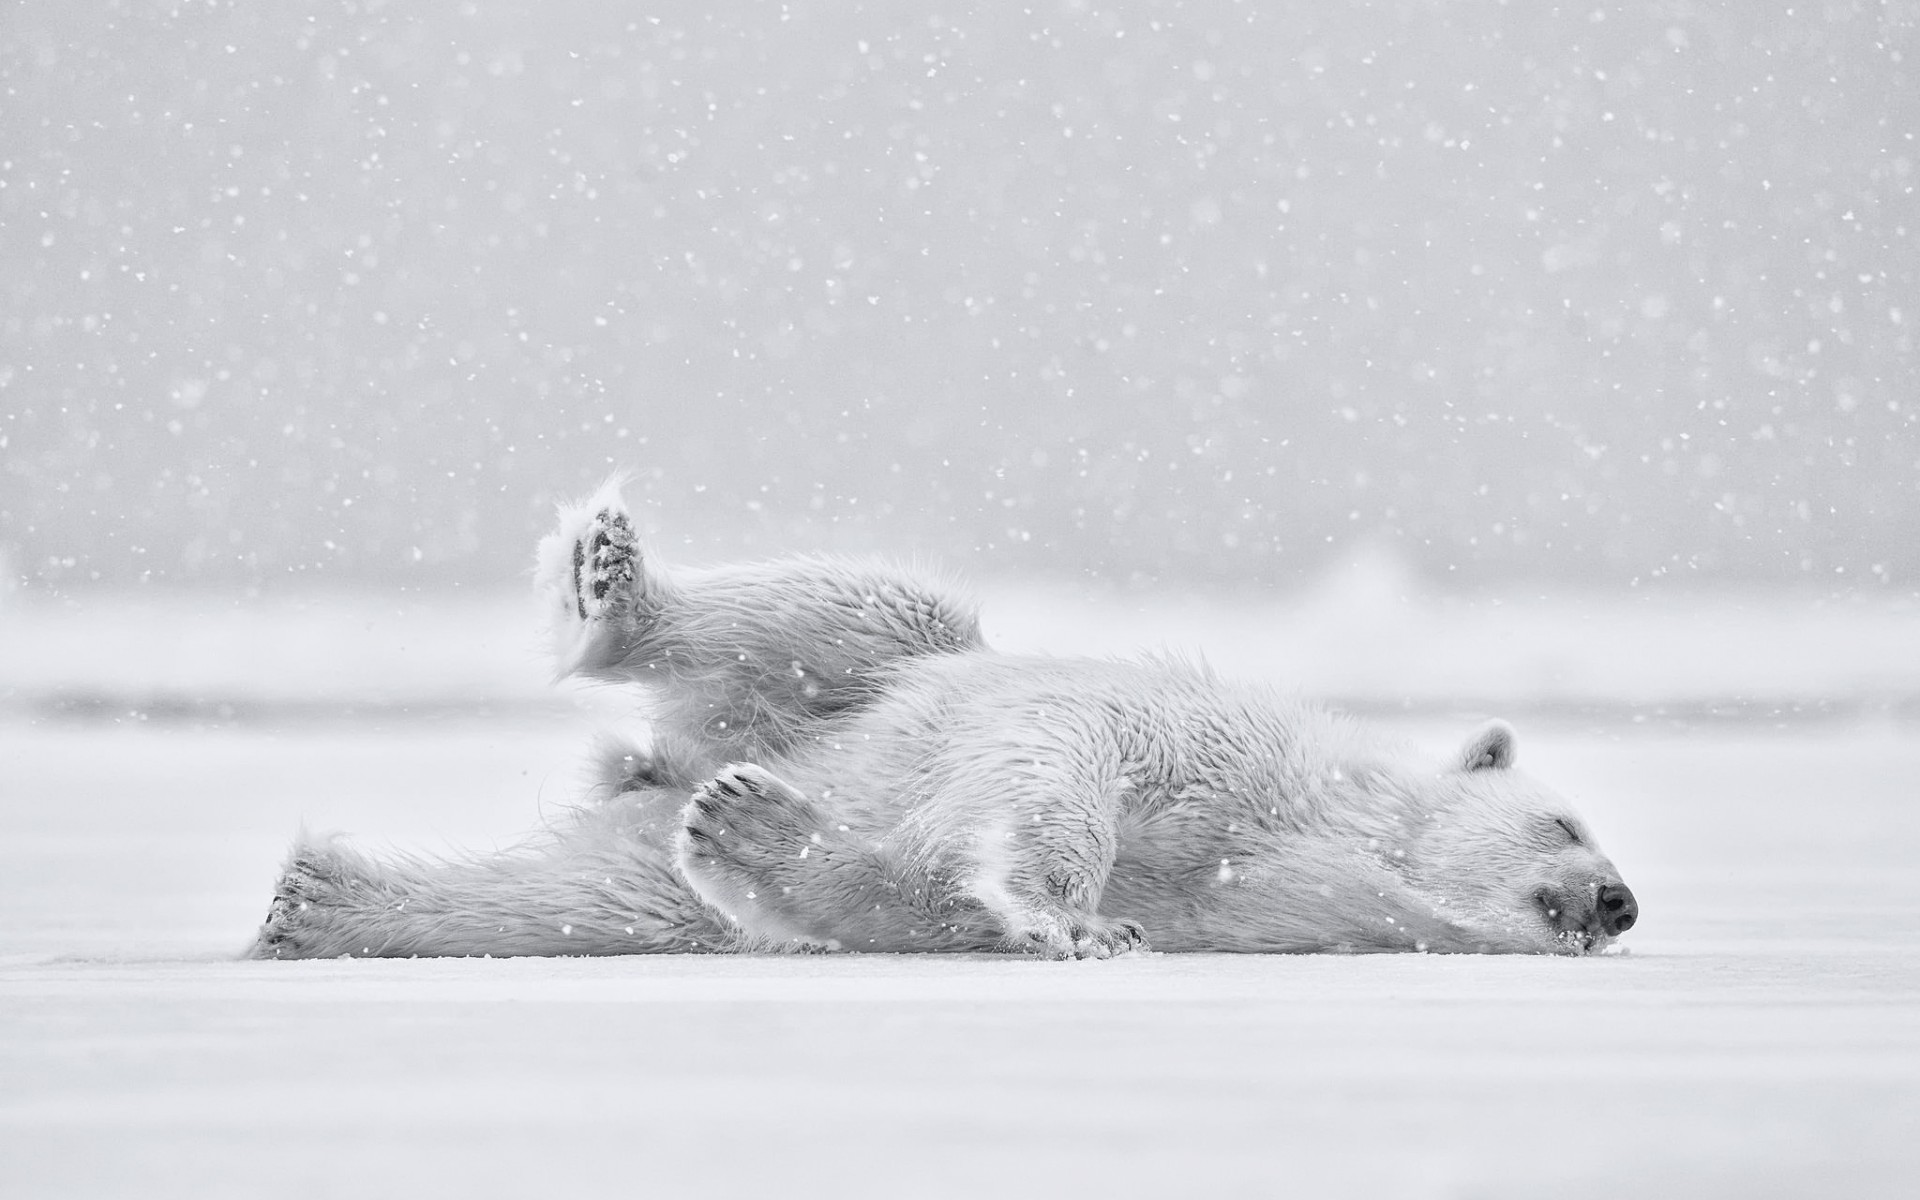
{"x": 836, "y": 759}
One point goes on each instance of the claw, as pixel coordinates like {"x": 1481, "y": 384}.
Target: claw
{"x": 579, "y": 560}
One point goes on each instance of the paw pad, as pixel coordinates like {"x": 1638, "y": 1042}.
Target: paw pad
{"x": 603, "y": 563}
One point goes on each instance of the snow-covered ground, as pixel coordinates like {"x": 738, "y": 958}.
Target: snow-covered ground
{"x": 1751, "y": 766}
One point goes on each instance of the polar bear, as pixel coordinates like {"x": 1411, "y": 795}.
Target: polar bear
{"x": 838, "y": 761}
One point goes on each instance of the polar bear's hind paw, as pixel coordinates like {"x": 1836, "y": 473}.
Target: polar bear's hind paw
{"x": 613, "y": 552}
{"x": 764, "y": 854}
{"x": 286, "y": 933}
{"x": 750, "y": 819}
{"x": 603, "y": 564}
{"x": 588, "y": 575}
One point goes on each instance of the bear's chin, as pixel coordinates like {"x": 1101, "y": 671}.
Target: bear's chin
{"x": 1578, "y": 942}
{"x": 1541, "y": 940}
{"x": 1521, "y": 925}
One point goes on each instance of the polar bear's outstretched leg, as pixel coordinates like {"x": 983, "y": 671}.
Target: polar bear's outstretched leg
{"x": 746, "y": 660}
{"x": 787, "y": 871}
{"x": 602, "y": 896}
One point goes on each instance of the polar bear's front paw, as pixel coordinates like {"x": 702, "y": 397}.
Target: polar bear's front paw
{"x": 589, "y": 572}
{"x": 1066, "y": 935}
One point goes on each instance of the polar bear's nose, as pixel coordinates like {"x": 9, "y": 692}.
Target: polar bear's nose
{"x": 1616, "y": 908}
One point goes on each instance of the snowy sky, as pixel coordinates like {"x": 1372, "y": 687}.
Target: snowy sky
{"x": 1164, "y": 292}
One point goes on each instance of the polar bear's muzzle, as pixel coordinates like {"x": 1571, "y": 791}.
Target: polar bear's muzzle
{"x": 1589, "y": 916}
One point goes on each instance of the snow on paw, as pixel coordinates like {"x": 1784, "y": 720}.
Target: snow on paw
{"x": 586, "y": 575}
{"x": 308, "y": 886}
{"x": 603, "y": 566}
{"x": 1111, "y": 938}
{"x": 1070, "y": 935}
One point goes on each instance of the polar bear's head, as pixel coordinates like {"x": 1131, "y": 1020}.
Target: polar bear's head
{"x": 1508, "y": 859}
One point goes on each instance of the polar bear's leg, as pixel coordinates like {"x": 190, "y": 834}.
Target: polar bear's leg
{"x": 1040, "y": 868}
{"x": 333, "y": 900}
{"x": 786, "y": 871}
{"x": 753, "y": 659}
{"x": 745, "y": 660}
{"x": 808, "y": 625}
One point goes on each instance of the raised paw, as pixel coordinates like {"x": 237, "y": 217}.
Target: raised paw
{"x": 1065, "y": 935}
{"x": 603, "y": 559}
{"x": 589, "y": 574}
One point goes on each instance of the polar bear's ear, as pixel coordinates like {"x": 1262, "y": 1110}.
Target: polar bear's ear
{"x": 1492, "y": 748}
